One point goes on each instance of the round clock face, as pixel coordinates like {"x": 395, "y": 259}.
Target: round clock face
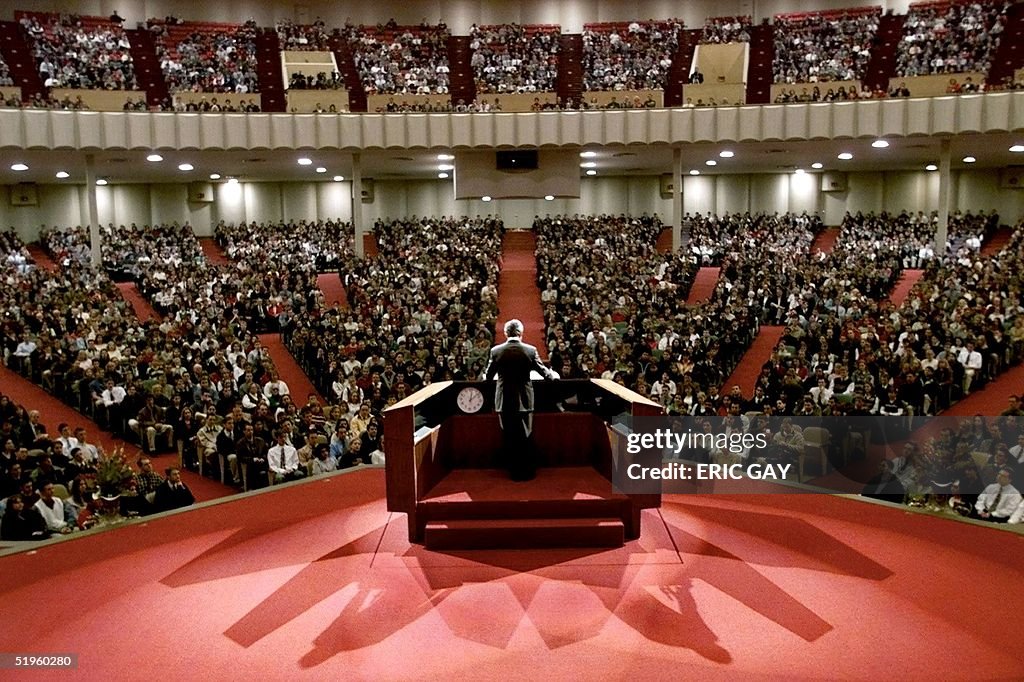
{"x": 470, "y": 400}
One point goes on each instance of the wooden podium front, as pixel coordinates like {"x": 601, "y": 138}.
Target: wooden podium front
{"x": 442, "y": 469}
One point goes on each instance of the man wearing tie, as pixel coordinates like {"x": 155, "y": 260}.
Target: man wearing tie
{"x": 172, "y": 493}
{"x": 998, "y": 501}
{"x": 283, "y": 460}
{"x": 512, "y": 363}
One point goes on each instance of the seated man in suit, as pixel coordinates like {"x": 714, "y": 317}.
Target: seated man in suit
{"x": 172, "y": 493}
{"x": 512, "y": 363}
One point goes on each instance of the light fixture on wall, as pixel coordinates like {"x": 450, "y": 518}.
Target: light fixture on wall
{"x": 931, "y": 167}
{"x": 726, "y": 154}
{"x": 485, "y": 198}
{"x": 1017, "y": 148}
{"x": 232, "y": 181}
{"x": 969, "y": 159}
{"x": 18, "y": 167}
{"x": 305, "y": 161}
{"x": 588, "y": 155}
{"x": 799, "y": 171}
{"x": 817, "y": 165}
{"x": 62, "y": 175}
{"x": 588, "y": 164}
{"x": 695, "y": 172}
{"x": 215, "y": 176}
{"x": 445, "y": 157}
{"x": 321, "y": 169}
{"x": 101, "y": 182}
{"x": 186, "y": 167}
{"x": 591, "y": 172}
{"x": 339, "y": 178}
{"x": 442, "y": 176}
{"x": 549, "y": 197}
{"x": 710, "y": 162}
{"x": 445, "y": 167}
{"x": 845, "y": 156}
{"x": 154, "y": 158}
{"x": 880, "y": 144}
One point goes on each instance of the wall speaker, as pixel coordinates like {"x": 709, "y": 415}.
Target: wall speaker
{"x": 200, "y": 192}
{"x": 24, "y": 194}
{"x": 666, "y": 185}
{"x": 367, "y": 190}
{"x": 832, "y": 181}
{"x": 1012, "y": 178}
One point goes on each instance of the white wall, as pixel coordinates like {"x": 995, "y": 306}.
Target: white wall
{"x": 64, "y": 205}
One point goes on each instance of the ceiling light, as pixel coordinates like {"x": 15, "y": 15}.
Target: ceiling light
{"x": 485, "y": 198}
{"x": 232, "y": 181}
{"x": 549, "y": 197}
{"x": 845, "y": 156}
{"x": 588, "y": 164}
{"x": 19, "y": 167}
{"x": 101, "y": 182}
{"x": 591, "y": 172}
{"x": 931, "y": 167}
{"x": 154, "y": 158}
{"x": 817, "y": 164}
{"x": 1017, "y": 148}
{"x": 215, "y": 176}
{"x": 339, "y": 178}
{"x": 710, "y": 162}
{"x": 969, "y": 159}
{"x": 726, "y": 154}
{"x": 695, "y": 172}
{"x": 799, "y": 171}
{"x": 321, "y": 169}
{"x": 445, "y": 167}
{"x": 63, "y": 174}
{"x": 185, "y": 167}
{"x": 588, "y": 155}
{"x": 443, "y": 176}
{"x": 445, "y": 157}
{"x": 305, "y": 162}
{"x": 880, "y": 144}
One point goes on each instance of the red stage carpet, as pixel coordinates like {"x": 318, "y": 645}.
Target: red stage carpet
{"x": 143, "y": 310}
{"x": 317, "y": 581}
{"x": 518, "y": 295}
{"x": 825, "y": 241}
{"x": 992, "y": 399}
{"x": 703, "y": 286}
{"x": 299, "y": 384}
{"x": 745, "y": 374}
{"x": 334, "y": 293}
{"x": 903, "y": 286}
{"x": 40, "y": 256}
{"x": 212, "y": 251}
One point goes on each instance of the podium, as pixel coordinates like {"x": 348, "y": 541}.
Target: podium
{"x": 443, "y": 444}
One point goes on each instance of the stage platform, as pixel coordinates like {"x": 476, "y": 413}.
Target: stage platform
{"x": 317, "y": 580}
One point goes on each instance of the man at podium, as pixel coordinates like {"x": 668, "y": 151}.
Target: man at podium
{"x": 512, "y": 363}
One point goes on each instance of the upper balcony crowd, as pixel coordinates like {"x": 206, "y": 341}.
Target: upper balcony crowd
{"x": 839, "y": 50}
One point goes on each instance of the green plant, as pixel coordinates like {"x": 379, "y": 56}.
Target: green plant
{"x": 113, "y": 473}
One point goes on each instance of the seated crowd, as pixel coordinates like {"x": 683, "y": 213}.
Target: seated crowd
{"x": 321, "y": 81}
{"x": 823, "y": 46}
{"x": 5, "y": 73}
{"x": 953, "y": 37}
{"x": 633, "y": 57}
{"x": 721, "y": 30}
{"x": 71, "y": 55}
{"x": 406, "y": 60}
{"x": 206, "y": 60}
{"x": 314, "y": 37}
{"x": 514, "y": 58}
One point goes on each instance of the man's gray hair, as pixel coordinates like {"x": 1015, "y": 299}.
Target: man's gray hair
{"x": 513, "y": 328}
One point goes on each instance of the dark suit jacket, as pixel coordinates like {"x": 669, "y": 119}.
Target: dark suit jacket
{"x": 172, "y": 498}
{"x": 511, "y": 362}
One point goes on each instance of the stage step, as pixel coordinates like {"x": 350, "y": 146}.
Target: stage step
{"x": 522, "y": 509}
{"x": 523, "y": 533}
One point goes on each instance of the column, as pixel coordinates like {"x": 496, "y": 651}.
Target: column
{"x": 94, "y": 211}
{"x": 357, "y": 205}
{"x": 942, "y": 230}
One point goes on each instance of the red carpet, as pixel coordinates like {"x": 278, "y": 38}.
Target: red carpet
{"x": 903, "y": 286}
{"x": 991, "y": 400}
{"x": 518, "y": 295}
{"x": 825, "y": 241}
{"x": 703, "y": 285}
{"x": 54, "y": 412}
{"x": 40, "y": 256}
{"x": 746, "y": 373}
{"x": 299, "y": 384}
{"x": 317, "y": 581}
{"x": 996, "y": 242}
{"x": 332, "y": 288}
{"x": 664, "y": 243}
{"x": 370, "y": 245}
{"x": 212, "y": 251}
{"x": 143, "y": 310}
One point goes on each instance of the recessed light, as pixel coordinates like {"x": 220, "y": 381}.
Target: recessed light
{"x": 154, "y": 158}
{"x": 445, "y": 157}
{"x": 321, "y": 169}
{"x": 185, "y": 167}
{"x": 969, "y": 159}
{"x": 63, "y": 174}
{"x": 880, "y": 144}
{"x": 710, "y": 162}
{"x": 485, "y": 198}
{"x": 305, "y": 162}
{"x": 442, "y": 176}
{"x": 591, "y": 172}
{"x": 588, "y": 164}
{"x": 215, "y": 176}
{"x": 19, "y": 167}
{"x": 931, "y": 167}
{"x": 845, "y": 156}
{"x": 726, "y": 154}
{"x": 588, "y": 155}
{"x": 695, "y": 172}
{"x": 339, "y": 178}
{"x": 817, "y": 164}
{"x": 232, "y": 181}
{"x": 1017, "y": 148}
{"x": 549, "y": 197}
{"x": 101, "y": 182}
{"x": 800, "y": 171}
{"x": 445, "y": 167}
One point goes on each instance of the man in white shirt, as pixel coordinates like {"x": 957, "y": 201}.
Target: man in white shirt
{"x": 275, "y": 381}
{"x": 999, "y": 501}
{"x": 283, "y": 460}
{"x": 971, "y": 361}
{"x": 1017, "y": 451}
{"x": 67, "y": 441}
{"x": 52, "y": 510}
{"x": 24, "y": 352}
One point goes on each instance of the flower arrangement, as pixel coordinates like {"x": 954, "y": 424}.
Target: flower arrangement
{"x": 113, "y": 473}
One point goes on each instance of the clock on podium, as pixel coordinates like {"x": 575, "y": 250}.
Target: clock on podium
{"x": 470, "y": 400}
